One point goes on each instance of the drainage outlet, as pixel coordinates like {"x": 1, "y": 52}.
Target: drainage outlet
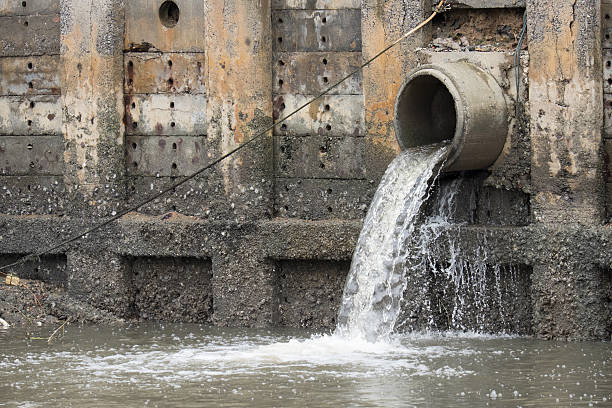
{"x": 458, "y": 102}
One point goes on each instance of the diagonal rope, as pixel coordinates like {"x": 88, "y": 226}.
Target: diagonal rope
{"x": 441, "y": 7}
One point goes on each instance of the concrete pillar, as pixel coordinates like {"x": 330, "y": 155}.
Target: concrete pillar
{"x": 383, "y": 21}
{"x": 92, "y": 102}
{"x": 565, "y": 93}
{"x": 239, "y": 45}
{"x": 565, "y": 97}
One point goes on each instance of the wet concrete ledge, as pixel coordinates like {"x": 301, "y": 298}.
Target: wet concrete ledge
{"x": 175, "y": 235}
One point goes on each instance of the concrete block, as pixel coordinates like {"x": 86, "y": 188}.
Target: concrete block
{"x": 310, "y": 73}
{"x": 35, "y": 75}
{"x": 316, "y": 199}
{"x": 31, "y": 155}
{"x": 24, "y": 8}
{"x": 166, "y": 155}
{"x": 309, "y": 292}
{"x": 315, "y": 5}
{"x": 606, "y": 24}
{"x": 172, "y": 289}
{"x": 145, "y": 30}
{"x": 165, "y": 73}
{"x": 21, "y": 195}
{"x": 331, "y": 115}
{"x": 319, "y": 30}
{"x": 607, "y": 71}
{"x": 29, "y": 35}
{"x": 165, "y": 114}
{"x": 35, "y": 115}
{"x": 320, "y": 157}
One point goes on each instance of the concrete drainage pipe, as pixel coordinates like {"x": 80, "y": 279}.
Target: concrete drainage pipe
{"x": 458, "y": 102}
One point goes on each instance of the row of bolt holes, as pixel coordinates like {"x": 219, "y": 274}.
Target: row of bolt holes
{"x": 170, "y": 80}
{"x": 25, "y": 23}
{"x": 282, "y": 63}
{"x": 323, "y": 38}
{"x": 174, "y": 147}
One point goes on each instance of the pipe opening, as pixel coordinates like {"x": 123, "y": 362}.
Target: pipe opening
{"x": 425, "y": 112}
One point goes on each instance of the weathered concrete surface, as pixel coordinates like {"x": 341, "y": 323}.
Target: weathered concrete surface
{"x": 383, "y": 22}
{"x": 280, "y": 219}
{"x": 565, "y": 89}
{"x": 92, "y": 101}
{"x": 239, "y": 52}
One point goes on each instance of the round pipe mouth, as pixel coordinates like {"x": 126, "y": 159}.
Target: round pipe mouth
{"x": 455, "y": 102}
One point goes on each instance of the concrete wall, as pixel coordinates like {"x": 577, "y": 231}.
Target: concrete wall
{"x": 103, "y": 103}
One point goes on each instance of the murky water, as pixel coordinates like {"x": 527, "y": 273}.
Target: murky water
{"x": 195, "y": 366}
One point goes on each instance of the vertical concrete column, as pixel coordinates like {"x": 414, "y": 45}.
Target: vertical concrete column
{"x": 239, "y": 48}
{"x": 92, "y": 99}
{"x": 565, "y": 96}
{"x": 383, "y": 21}
{"x": 239, "y": 55}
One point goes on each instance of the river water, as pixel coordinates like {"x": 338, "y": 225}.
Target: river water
{"x": 195, "y": 366}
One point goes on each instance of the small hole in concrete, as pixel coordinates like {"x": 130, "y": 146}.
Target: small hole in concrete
{"x": 609, "y": 81}
{"x": 172, "y": 124}
{"x": 25, "y": 23}
{"x": 329, "y": 209}
{"x": 324, "y": 61}
{"x": 327, "y": 107}
{"x": 323, "y": 39}
{"x": 30, "y": 85}
{"x": 29, "y": 123}
{"x": 324, "y": 20}
{"x": 32, "y": 104}
{"x": 607, "y": 36}
{"x": 133, "y": 105}
{"x": 32, "y": 165}
{"x": 607, "y": 16}
{"x": 322, "y": 165}
{"x": 134, "y": 145}
{"x": 323, "y": 149}
{"x": 169, "y": 14}
{"x": 280, "y": 82}
{"x": 174, "y": 166}
{"x": 135, "y": 164}
{"x": 328, "y": 127}
{"x": 280, "y": 39}
{"x": 282, "y": 106}
{"x": 170, "y": 81}
{"x": 174, "y": 146}
{"x": 325, "y": 80}
{"x": 134, "y": 125}
{"x": 329, "y": 191}
{"x": 169, "y": 63}
{"x": 174, "y": 208}
{"x": 281, "y": 62}
{"x": 30, "y": 146}
{"x": 30, "y": 65}
{"x": 130, "y": 64}
{"x": 282, "y": 149}
{"x": 23, "y": 4}
{"x": 130, "y": 82}
{"x": 284, "y": 127}
{"x": 171, "y": 105}
{"x": 286, "y": 208}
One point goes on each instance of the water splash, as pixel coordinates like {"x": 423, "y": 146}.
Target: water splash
{"x": 376, "y": 281}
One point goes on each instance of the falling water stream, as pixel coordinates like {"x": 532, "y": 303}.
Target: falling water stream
{"x": 364, "y": 363}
